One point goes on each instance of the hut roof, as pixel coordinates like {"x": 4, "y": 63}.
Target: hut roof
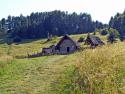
{"x": 69, "y": 38}
{"x": 91, "y": 39}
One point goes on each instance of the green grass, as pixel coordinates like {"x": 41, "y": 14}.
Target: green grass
{"x": 30, "y": 76}
{"x": 91, "y": 71}
{"x": 97, "y": 71}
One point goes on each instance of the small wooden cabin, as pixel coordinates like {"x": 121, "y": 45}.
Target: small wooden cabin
{"x": 48, "y": 51}
{"x": 66, "y": 45}
{"x": 93, "y": 41}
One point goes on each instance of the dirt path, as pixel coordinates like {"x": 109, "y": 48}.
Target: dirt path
{"x": 38, "y": 79}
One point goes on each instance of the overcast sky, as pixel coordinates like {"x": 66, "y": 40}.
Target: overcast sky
{"x": 100, "y": 10}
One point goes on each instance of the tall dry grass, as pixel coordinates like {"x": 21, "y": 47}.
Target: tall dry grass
{"x": 102, "y": 70}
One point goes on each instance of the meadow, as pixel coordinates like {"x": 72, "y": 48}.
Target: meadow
{"x": 91, "y": 71}
{"x": 96, "y": 71}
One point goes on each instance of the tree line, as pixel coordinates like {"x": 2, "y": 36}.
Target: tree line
{"x": 118, "y": 22}
{"x": 58, "y": 23}
{"x": 55, "y": 23}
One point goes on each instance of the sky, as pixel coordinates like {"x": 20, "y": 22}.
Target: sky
{"x": 100, "y": 10}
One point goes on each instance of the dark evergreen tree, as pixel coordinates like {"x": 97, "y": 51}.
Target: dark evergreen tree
{"x": 121, "y": 37}
{"x": 38, "y": 25}
{"x": 111, "y": 38}
{"x": 118, "y": 22}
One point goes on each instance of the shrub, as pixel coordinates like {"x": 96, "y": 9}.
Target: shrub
{"x": 81, "y": 39}
{"x": 113, "y": 34}
{"x": 104, "y": 32}
{"x": 111, "y": 38}
{"x": 94, "y": 33}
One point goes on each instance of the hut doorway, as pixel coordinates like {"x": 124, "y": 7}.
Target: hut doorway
{"x": 68, "y": 49}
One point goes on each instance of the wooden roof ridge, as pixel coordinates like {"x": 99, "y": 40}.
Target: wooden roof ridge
{"x": 95, "y": 39}
{"x": 66, "y": 37}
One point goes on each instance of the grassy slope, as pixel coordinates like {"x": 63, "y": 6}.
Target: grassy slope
{"x": 39, "y": 75}
{"x": 98, "y": 71}
{"x": 30, "y": 76}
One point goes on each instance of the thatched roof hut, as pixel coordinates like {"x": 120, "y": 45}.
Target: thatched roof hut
{"x": 67, "y": 45}
{"x": 93, "y": 40}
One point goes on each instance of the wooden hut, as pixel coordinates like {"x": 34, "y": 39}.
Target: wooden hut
{"x": 66, "y": 45}
{"x": 48, "y": 51}
{"x": 93, "y": 41}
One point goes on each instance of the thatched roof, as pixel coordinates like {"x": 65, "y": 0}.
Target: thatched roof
{"x": 69, "y": 38}
{"x": 94, "y": 40}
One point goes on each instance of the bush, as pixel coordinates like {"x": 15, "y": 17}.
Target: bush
{"x": 104, "y": 32}
{"x": 94, "y": 33}
{"x": 113, "y": 34}
{"x": 81, "y": 39}
{"x": 111, "y": 38}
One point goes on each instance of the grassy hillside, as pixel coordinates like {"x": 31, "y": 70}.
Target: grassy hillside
{"x": 30, "y": 76}
{"x": 91, "y": 71}
{"x": 96, "y": 71}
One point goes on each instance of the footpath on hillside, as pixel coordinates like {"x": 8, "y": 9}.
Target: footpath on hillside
{"x": 39, "y": 79}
